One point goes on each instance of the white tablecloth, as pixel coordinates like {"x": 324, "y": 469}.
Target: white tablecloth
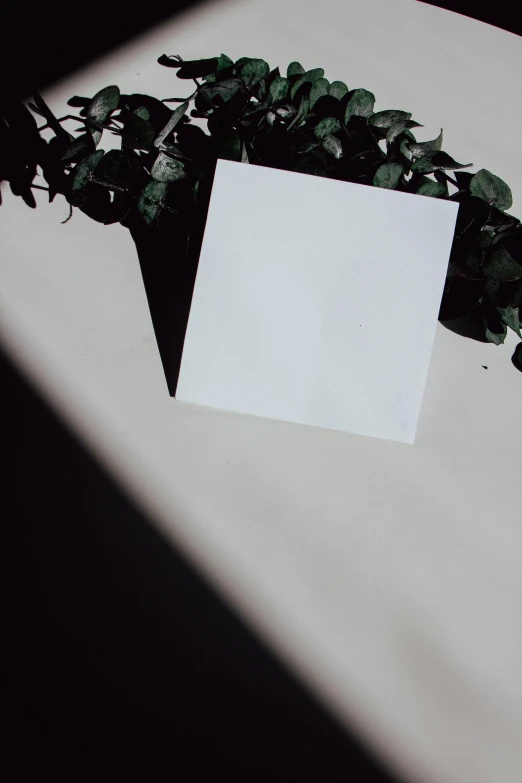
{"x": 387, "y": 576}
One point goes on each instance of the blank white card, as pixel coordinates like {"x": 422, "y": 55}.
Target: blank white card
{"x": 316, "y": 301}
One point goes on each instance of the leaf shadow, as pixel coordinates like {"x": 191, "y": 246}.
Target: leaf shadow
{"x": 470, "y": 326}
{"x": 516, "y": 359}
{"x": 169, "y": 261}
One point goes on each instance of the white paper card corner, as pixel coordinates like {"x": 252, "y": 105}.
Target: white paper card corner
{"x": 316, "y": 301}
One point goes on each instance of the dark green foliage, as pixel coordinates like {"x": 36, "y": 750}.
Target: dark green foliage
{"x": 151, "y": 200}
{"x": 327, "y": 126}
{"x": 492, "y": 189}
{"x": 388, "y": 175}
{"x": 298, "y": 121}
{"x": 278, "y": 90}
{"x": 338, "y": 90}
{"x": 360, "y": 104}
{"x": 102, "y": 105}
{"x": 433, "y": 189}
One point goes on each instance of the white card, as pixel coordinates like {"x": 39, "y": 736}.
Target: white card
{"x": 316, "y": 301}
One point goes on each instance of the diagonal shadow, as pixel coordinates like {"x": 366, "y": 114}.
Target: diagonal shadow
{"x": 42, "y": 45}
{"x": 169, "y": 262}
{"x": 120, "y": 662}
{"x": 499, "y": 14}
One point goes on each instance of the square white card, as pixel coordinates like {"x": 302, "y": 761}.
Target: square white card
{"x": 316, "y": 301}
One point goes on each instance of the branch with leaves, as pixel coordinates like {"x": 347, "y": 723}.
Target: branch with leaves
{"x": 300, "y": 122}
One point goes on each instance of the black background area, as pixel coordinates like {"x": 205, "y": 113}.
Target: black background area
{"x": 119, "y": 662}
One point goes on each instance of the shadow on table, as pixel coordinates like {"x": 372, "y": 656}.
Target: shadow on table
{"x": 169, "y": 262}
{"x": 120, "y": 663}
{"x": 499, "y": 14}
{"x": 470, "y": 326}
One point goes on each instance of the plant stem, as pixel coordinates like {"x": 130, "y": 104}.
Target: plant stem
{"x": 180, "y": 100}
{"x": 69, "y": 216}
{"x": 108, "y": 185}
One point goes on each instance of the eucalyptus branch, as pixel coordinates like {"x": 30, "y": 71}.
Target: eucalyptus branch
{"x": 256, "y": 114}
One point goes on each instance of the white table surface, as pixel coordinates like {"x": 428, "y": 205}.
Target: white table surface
{"x": 388, "y": 576}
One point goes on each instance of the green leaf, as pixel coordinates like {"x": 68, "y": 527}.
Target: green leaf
{"x": 79, "y": 147}
{"x": 318, "y": 90}
{"x": 326, "y": 127}
{"x": 103, "y": 104}
{"x": 438, "y": 161}
{"x": 253, "y": 71}
{"x": 333, "y": 146}
{"x": 260, "y": 91}
{"x": 294, "y": 69}
{"x": 304, "y": 108}
{"x": 433, "y": 189}
{"x": 338, "y": 90}
{"x": 194, "y": 69}
{"x": 492, "y": 189}
{"x": 167, "y": 169}
{"x": 95, "y": 136}
{"x": 388, "y": 175}
{"x": 313, "y": 75}
{"x": 501, "y": 266}
{"x": 119, "y": 169}
{"x": 360, "y": 104}
{"x": 423, "y": 148}
{"x": 151, "y": 200}
{"x": 143, "y": 112}
{"x": 495, "y": 328}
{"x": 225, "y": 90}
{"x": 298, "y": 85}
{"x": 239, "y": 63}
{"x": 423, "y": 166}
{"x": 395, "y": 130}
{"x": 407, "y": 138}
{"x": 309, "y": 76}
{"x": 510, "y": 316}
{"x": 443, "y": 161}
{"x": 496, "y": 337}
{"x": 224, "y": 62}
{"x": 385, "y": 119}
{"x": 82, "y": 172}
{"x": 278, "y": 90}
{"x": 175, "y": 117}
